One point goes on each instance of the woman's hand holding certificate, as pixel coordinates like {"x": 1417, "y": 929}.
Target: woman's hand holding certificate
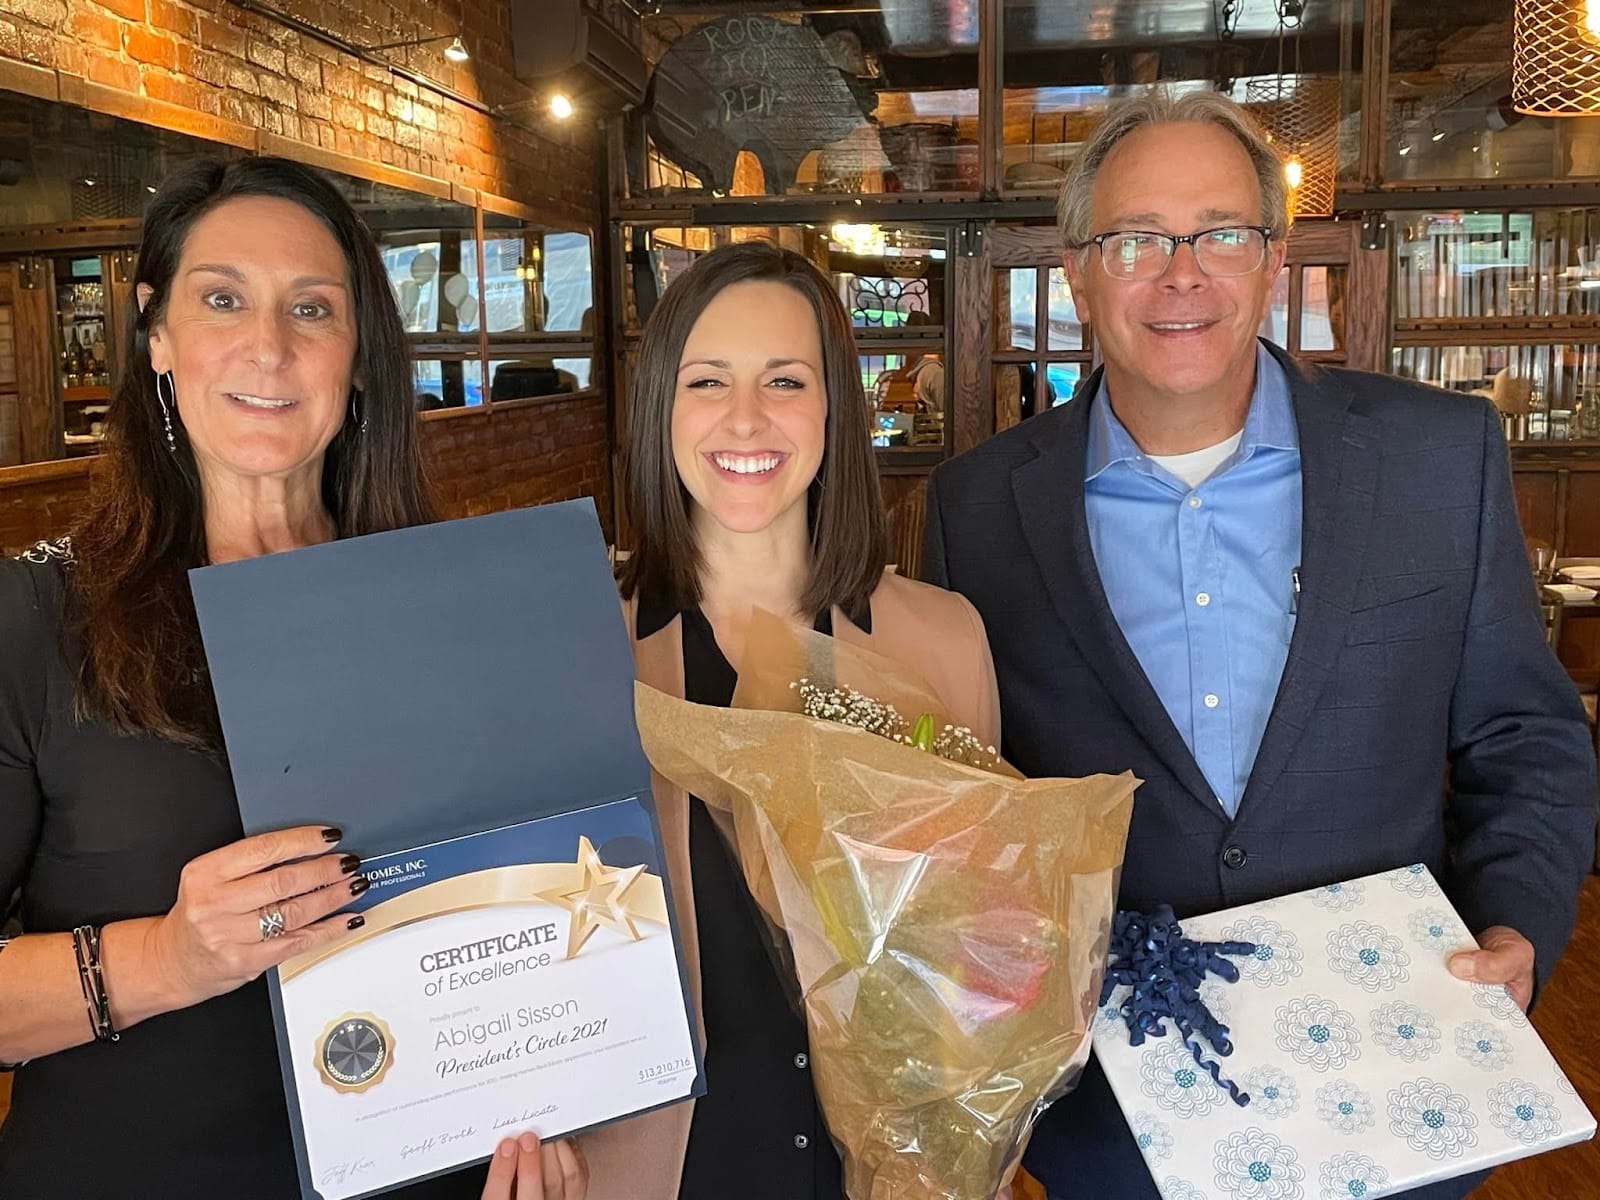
{"x": 251, "y": 905}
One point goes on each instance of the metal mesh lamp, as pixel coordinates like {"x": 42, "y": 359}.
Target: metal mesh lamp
{"x": 1555, "y": 58}
{"x": 1300, "y": 113}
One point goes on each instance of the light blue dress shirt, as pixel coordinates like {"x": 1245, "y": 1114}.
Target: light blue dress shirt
{"x": 1201, "y": 580}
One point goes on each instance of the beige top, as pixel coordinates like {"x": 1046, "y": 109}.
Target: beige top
{"x": 937, "y": 633}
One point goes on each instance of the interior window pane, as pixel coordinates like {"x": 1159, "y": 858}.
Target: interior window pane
{"x": 447, "y": 383}
{"x": 535, "y": 375}
{"x": 1275, "y": 326}
{"x": 1021, "y": 330}
{"x": 1066, "y": 331}
{"x": 1322, "y": 308}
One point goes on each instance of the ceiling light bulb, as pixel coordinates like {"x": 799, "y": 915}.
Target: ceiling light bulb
{"x": 456, "y": 51}
{"x": 1294, "y": 172}
{"x": 1438, "y": 135}
{"x": 560, "y": 106}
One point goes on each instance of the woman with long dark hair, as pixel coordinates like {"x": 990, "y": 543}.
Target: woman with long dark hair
{"x": 752, "y": 484}
{"x": 265, "y": 405}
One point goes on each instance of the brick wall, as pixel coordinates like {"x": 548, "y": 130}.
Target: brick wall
{"x": 478, "y": 462}
{"x": 211, "y": 69}
{"x": 522, "y": 456}
{"x": 168, "y": 61}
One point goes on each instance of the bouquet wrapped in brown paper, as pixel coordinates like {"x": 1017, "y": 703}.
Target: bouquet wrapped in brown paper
{"x": 945, "y": 923}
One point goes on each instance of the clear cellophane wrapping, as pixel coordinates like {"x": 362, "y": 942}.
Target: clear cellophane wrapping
{"x": 944, "y": 926}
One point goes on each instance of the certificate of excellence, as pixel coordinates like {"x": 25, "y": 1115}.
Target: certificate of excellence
{"x": 519, "y": 979}
{"x": 458, "y": 699}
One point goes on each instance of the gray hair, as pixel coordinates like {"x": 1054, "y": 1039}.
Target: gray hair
{"x": 1160, "y": 107}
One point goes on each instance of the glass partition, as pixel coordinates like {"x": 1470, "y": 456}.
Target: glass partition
{"x": 1065, "y": 63}
{"x": 1450, "y": 114}
{"x": 74, "y": 185}
{"x": 773, "y": 100}
{"x": 1544, "y": 393}
{"x": 528, "y": 292}
{"x": 1538, "y": 263}
{"x": 893, "y": 281}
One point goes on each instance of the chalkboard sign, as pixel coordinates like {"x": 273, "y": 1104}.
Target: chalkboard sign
{"x": 748, "y": 83}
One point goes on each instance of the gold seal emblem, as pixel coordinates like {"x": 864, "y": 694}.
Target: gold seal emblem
{"x": 355, "y": 1052}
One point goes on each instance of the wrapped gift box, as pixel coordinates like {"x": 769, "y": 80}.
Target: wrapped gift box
{"x": 1370, "y": 1068}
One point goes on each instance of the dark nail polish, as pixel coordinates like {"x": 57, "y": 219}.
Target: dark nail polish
{"x": 356, "y": 922}
{"x": 349, "y": 863}
{"x": 332, "y": 834}
{"x": 359, "y": 884}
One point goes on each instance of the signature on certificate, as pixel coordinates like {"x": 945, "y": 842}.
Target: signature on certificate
{"x": 438, "y": 1139}
{"x": 340, "y": 1173}
{"x": 522, "y": 1118}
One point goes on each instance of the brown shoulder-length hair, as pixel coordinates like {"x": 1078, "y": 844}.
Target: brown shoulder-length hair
{"x": 141, "y": 664}
{"x": 849, "y": 533}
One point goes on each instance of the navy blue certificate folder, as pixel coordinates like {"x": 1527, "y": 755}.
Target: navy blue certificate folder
{"x": 430, "y": 684}
{"x": 427, "y": 683}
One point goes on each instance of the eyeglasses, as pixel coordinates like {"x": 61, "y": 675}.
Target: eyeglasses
{"x": 1135, "y": 254}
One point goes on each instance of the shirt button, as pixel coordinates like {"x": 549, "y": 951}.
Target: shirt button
{"x": 1211, "y": 700}
{"x": 801, "y": 1141}
{"x": 801, "y": 1061}
{"x": 1234, "y": 857}
{"x": 1203, "y": 599}
{"x": 1194, "y": 501}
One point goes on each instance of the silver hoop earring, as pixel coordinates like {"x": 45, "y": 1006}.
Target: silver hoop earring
{"x": 169, "y": 401}
{"x": 359, "y": 421}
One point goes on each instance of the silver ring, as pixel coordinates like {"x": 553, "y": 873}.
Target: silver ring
{"x": 270, "y": 919}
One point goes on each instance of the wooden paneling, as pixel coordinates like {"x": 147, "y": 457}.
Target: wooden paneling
{"x": 903, "y": 499}
{"x": 1025, "y": 246}
{"x": 33, "y": 315}
{"x": 972, "y": 336}
{"x": 1558, "y": 497}
{"x": 1583, "y": 515}
{"x": 1536, "y": 503}
{"x": 1366, "y": 316}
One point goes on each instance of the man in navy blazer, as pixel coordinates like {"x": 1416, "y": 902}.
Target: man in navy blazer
{"x": 1297, "y": 605}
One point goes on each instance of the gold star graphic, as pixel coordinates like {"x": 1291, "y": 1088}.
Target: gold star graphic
{"x": 601, "y": 899}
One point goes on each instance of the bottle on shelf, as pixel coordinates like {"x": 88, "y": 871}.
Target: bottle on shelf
{"x": 97, "y": 351}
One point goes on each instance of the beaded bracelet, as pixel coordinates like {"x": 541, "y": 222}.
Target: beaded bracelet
{"x": 86, "y": 947}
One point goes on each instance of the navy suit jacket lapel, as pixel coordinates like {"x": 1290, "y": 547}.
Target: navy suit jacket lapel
{"x": 1339, "y": 477}
{"x": 1048, "y": 490}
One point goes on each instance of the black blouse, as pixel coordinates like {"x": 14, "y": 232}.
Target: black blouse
{"x": 95, "y": 827}
{"x": 757, "y": 1131}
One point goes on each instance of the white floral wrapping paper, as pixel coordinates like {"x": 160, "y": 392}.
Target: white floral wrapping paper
{"x": 1370, "y": 1068}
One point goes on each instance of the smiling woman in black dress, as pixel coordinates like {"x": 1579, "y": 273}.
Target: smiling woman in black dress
{"x": 752, "y": 484}
{"x": 265, "y": 406}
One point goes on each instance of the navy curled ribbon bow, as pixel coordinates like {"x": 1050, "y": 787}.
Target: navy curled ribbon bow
{"x": 1165, "y": 971}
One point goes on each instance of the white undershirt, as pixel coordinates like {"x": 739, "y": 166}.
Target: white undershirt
{"x": 1197, "y": 466}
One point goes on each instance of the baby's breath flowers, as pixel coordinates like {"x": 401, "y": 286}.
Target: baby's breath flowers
{"x": 847, "y": 706}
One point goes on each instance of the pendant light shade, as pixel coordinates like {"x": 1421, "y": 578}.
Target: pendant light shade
{"x": 1555, "y": 58}
{"x": 1300, "y": 113}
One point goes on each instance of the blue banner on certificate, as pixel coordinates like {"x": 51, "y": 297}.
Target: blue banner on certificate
{"x": 504, "y": 981}
{"x": 458, "y": 699}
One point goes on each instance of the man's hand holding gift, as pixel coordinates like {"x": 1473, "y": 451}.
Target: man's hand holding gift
{"x": 1505, "y": 957}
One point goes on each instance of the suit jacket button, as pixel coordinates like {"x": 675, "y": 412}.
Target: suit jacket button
{"x": 1234, "y": 857}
